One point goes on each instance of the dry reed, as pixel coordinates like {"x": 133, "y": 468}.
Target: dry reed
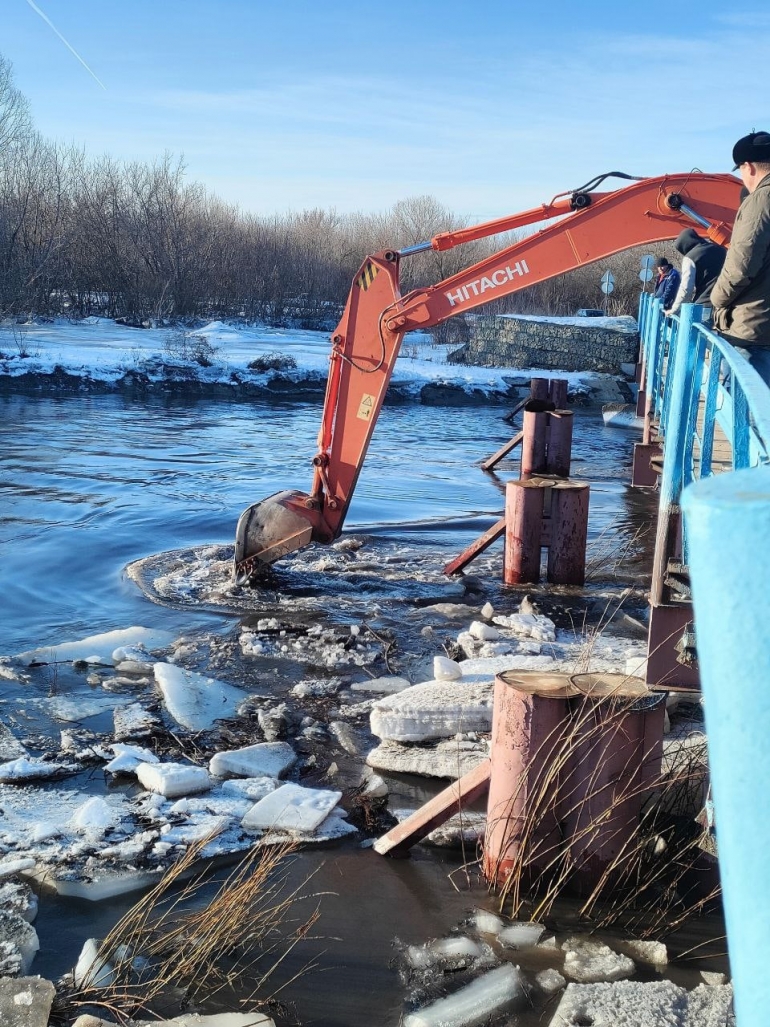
{"x": 171, "y": 944}
{"x": 641, "y": 815}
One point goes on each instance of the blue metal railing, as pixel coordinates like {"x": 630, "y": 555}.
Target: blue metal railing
{"x": 695, "y": 381}
{"x": 700, "y": 390}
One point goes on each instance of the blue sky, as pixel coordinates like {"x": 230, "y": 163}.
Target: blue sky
{"x": 489, "y": 106}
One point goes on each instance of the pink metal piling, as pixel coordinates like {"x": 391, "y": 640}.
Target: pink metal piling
{"x": 557, "y": 392}
{"x": 559, "y": 450}
{"x": 523, "y": 531}
{"x": 569, "y": 532}
{"x": 528, "y": 722}
{"x": 617, "y": 755}
{"x": 533, "y": 446}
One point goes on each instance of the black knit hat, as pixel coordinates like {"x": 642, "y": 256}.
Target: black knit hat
{"x": 662, "y": 262}
{"x": 755, "y": 147}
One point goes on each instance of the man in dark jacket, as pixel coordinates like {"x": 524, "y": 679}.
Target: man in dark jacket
{"x": 668, "y": 282}
{"x": 702, "y": 261}
{"x": 741, "y": 296}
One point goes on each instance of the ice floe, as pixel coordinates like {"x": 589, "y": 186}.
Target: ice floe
{"x": 133, "y": 722}
{"x": 434, "y": 709}
{"x": 265, "y": 759}
{"x": 490, "y": 994}
{"x": 194, "y": 700}
{"x": 173, "y": 779}
{"x": 291, "y": 808}
{"x": 589, "y": 962}
{"x": 97, "y": 649}
{"x": 32, "y": 768}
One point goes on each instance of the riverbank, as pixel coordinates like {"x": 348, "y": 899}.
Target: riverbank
{"x": 97, "y": 356}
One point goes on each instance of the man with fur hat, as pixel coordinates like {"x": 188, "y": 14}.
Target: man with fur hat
{"x": 741, "y": 296}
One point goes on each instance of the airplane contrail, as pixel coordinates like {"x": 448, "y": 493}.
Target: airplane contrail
{"x": 72, "y": 50}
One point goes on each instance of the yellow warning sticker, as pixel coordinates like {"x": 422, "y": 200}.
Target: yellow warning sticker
{"x": 365, "y": 407}
{"x": 367, "y": 276}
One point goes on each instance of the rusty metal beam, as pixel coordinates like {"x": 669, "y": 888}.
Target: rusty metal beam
{"x": 502, "y": 452}
{"x": 482, "y": 542}
{"x": 437, "y": 811}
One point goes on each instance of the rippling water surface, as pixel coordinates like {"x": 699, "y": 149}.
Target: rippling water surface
{"x": 91, "y": 484}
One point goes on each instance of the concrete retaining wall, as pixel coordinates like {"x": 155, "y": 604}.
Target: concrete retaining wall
{"x": 556, "y": 344}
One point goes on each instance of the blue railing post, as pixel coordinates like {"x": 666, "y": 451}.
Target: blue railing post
{"x": 728, "y": 528}
{"x": 679, "y": 385}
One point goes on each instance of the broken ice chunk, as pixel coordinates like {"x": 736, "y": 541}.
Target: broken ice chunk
{"x": 291, "y": 808}
{"x": 128, "y": 757}
{"x": 81, "y": 707}
{"x": 11, "y": 867}
{"x": 18, "y": 945}
{"x": 133, "y": 721}
{"x": 91, "y": 969}
{"x": 254, "y": 788}
{"x": 197, "y": 830}
{"x": 483, "y": 632}
{"x": 94, "y": 818}
{"x": 10, "y": 747}
{"x": 488, "y": 995}
{"x": 195, "y": 701}
{"x": 452, "y": 953}
{"x": 96, "y": 648}
{"x": 529, "y": 625}
{"x": 521, "y": 935}
{"x": 486, "y": 923}
{"x": 17, "y": 897}
{"x": 32, "y": 769}
{"x": 387, "y": 684}
{"x": 265, "y": 759}
{"x": 434, "y": 709}
{"x": 549, "y": 981}
{"x": 590, "y": 962}
{"x": 173, "y": 779}
{"x": 445, "y": 669}
{"x": 654, "y": 953}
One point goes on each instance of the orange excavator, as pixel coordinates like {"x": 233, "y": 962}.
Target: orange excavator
{"x": 591, "y": 225}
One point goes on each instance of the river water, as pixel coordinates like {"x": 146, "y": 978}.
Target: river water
{"x": 90, "y": 484}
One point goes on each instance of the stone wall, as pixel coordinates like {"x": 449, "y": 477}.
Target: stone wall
{"x": 556, "y": 343}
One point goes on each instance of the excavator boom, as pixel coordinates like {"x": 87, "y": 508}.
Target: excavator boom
{"x": 367, "y": 340}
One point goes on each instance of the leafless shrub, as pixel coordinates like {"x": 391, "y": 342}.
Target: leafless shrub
{"x": 182, "y": 345}
{"x": 273, "y": 362}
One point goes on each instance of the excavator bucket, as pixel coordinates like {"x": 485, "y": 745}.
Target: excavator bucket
{"x": 271, "y": 529}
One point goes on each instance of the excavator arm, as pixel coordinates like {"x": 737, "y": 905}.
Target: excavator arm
{"x": 366, "y": 343}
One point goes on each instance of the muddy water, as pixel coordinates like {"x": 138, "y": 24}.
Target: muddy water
{"x": 91, "y": 484}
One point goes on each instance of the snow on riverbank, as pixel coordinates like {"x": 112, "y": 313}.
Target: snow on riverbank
{"x": 96, "y": 354}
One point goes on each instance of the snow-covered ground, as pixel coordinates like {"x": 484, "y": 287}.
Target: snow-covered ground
{"x": 97, "y": 350}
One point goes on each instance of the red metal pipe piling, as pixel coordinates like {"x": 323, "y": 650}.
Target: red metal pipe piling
{"x": 523, "y": 530}
{"x": 569, "y": 532}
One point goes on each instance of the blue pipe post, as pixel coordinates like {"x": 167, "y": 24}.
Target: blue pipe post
{"x": 728, "y": 527}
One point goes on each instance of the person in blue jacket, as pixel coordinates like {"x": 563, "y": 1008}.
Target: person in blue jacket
{"x": 667, "y": 284}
